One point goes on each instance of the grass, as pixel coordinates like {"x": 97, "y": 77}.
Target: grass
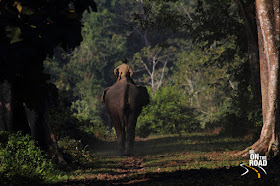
{"x": 163, "y": 155}
{"x": 191, "y": 151}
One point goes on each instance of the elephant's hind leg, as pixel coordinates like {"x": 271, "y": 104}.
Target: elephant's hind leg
{"x": 130, "y": 135}
{"x": 120, "y": 136}
{"x": 123, "y": 141}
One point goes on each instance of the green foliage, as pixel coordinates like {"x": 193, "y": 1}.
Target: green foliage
{"x": 209, "y": 14}
{"x": 168, "y": 113}
{"x": 75, "y": 152}
{"x": 245, "y": 109}
{"x": 160, "y": 15}
{"x": 21, "y": 161}
{"x": 83, "y": 74}
{"x": 71, "y": 121}
{"x": 209, "y": 82}
{"x": 242, "y": 109}
{"x": 206, "y": 85}
{"x": 220, "y": 92}
{"x": 109, "y": 35}
{"x": 241, "y": 113}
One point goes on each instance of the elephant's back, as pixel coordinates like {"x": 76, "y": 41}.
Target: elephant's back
{"x": 123, "y": 95}
{"x": 115, "y": 96}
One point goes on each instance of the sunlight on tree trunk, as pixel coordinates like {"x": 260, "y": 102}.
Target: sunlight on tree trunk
{"x": 268, "y": 19}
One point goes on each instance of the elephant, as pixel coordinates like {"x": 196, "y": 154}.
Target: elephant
{"x": 124, "y": 102}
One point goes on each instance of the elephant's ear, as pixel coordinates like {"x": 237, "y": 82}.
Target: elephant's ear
{"x": 144, "y": 94}
{"x": 103, "y": 95}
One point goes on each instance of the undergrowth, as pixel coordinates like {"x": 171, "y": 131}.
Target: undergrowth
{"x": 22, "y": 161}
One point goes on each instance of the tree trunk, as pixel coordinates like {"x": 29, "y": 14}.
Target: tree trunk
{"x": 20, "y": 121}
{"x": 248, "y": 13}
{"x": 43, "y": 131}
{"x": 6, "y": 114}
{"x": 268, "y": 19}
{"x": 14, "y": 116}
{"x": 12, "y": 113}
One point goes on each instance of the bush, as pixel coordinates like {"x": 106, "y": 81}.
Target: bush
{"x": 81, "y": 124}
{"x": 236, "y": 122}
{"x": 168, "y": 113}
{"x": 21, "y": 161}
{"x": 75, "y": 153}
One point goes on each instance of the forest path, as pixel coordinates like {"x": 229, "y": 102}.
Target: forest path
{"x": 199, "y": 159}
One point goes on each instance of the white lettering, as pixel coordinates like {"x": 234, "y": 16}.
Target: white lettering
{"x": 256, "y": 162}
{"x": 251, "y": 163}
{"x": 252, "y": 156}
{"x": 264, "y": 158}
{"x": 264, "y": 163}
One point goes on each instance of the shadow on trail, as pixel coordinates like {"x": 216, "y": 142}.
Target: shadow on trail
{"x": 222, "y": 176}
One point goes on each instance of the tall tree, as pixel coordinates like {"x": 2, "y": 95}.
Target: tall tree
{"x": 154, "y": 62}
{"x": 268, "y": 19}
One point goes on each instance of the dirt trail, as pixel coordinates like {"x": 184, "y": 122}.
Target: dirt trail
{"x": 121, "y": 167}
{"x": 158, "y": 161}
{"x": 110, "y": 147}
{"x": 131, "y": 164}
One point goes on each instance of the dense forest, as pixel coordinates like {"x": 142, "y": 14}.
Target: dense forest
{"x": 194, "y": 83}
{"x": 199, "y": 60}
